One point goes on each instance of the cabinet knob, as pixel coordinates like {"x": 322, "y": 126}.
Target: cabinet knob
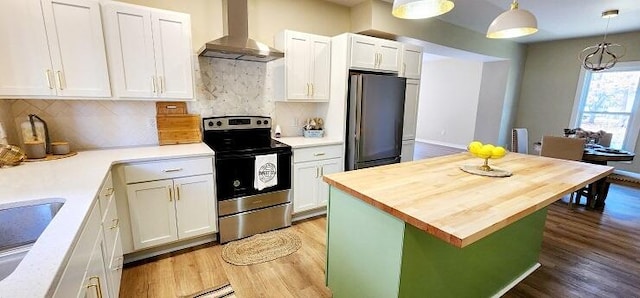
{"x": 153, "y": 84}
{"x": 115, "y": 222}
{"x": 47, "y": 74}
{"x": 161, "y": 84}
{"x": 109, "y": 192}
{"x": 96, "y": 285}
{"x": 61, "y": 83}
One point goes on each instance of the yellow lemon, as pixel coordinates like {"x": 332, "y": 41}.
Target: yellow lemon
{"x": 485, "y": 151}
{"x": 474, "y": 146}
{"x": 498, "y": 152}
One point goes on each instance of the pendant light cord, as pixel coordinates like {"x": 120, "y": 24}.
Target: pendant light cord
{"x": 606, "y": 29}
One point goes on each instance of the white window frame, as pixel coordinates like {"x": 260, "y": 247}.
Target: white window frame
{"x": 633, "y": 129}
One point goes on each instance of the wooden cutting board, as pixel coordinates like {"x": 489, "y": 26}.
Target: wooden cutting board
{"x": 178, "y": 129}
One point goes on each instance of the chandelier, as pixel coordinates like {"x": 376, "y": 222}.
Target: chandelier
{"x": 604, "y": 55}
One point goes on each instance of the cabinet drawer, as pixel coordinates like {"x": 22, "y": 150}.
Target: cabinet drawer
{"x": 317, "y": 153}
{"x": 105, "y": 195}
{"x": 74, "y": 274}
{"x": 167, "y": 169}
{"x": 110, "y": 225}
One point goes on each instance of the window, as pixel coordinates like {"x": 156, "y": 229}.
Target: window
{"x": 609, "y": 101}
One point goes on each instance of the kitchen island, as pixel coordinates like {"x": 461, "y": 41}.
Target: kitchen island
{"x": 428, "y": 229}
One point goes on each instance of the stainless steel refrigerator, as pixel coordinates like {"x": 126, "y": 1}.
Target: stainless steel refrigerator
{"x": 374, "y": 120}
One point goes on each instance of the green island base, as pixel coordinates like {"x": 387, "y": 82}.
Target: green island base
{"x": 371, "y": 253}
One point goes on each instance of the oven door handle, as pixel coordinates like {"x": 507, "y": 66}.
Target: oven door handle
{"x": 251, "y": 155}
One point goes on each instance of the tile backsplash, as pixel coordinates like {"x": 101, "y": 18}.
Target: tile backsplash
{"x": 223, "y": 87}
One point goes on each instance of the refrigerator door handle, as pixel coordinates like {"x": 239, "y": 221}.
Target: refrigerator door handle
{"x": 358, "y": 115}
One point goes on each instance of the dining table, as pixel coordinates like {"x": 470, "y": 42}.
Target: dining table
{"x": 597, "y": 193}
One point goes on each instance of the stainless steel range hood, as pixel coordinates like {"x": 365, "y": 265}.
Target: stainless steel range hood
{"x": 237, "y": 44}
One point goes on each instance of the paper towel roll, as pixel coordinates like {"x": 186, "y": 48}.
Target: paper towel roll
{"x": 3, "y": 136}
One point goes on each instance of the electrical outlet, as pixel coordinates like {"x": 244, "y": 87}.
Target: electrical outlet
{"x": 443, "y": 132}
{"x": 296, "y": 121}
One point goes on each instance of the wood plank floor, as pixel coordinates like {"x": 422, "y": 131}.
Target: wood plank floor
{"x": 587, "y": 253}
{"x": 584, "y": 254}
{"x": 300, "y": 274}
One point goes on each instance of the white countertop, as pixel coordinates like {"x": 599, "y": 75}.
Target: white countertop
{"x": 302, "y": 142}
{"x": 75, "y": 181}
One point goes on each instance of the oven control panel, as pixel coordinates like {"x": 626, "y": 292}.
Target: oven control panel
{"x": 236, "y": 122}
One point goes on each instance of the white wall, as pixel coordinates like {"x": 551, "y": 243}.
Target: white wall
{"x": 491, "y": 101}
{"x": 448, "y": 104}
{"x": 550, "y": 82}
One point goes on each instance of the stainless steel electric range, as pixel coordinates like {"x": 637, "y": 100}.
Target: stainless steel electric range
{"x": 245, "y": 152}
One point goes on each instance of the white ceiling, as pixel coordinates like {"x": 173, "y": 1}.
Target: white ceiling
{"x": 557, "y": 19}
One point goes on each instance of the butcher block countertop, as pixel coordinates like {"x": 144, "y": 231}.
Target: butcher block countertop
{"x": 437, "y": 197}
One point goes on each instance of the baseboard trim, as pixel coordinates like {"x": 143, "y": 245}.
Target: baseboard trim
{"x": 168, "y": 248}
{"x": 516, "y": 281}
{"x": 444, "y": 144}
{"x": 309, "y": 214}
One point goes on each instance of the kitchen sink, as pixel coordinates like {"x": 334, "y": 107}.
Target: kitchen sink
{"x": 20, "y": 227}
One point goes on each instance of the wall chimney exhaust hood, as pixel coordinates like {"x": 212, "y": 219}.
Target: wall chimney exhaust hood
{"x": 237, "y": 44}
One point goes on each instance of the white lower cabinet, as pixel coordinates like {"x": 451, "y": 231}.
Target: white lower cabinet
{"x": 95, "y": 266}
{"x": 95, "y": 281}
{"x": 408, "y": 147}
{"x": 71, "y": 283}
{"x": 168, "y": 210}
{"x": 112, "y": 243}
{"x": 310, "y": 164}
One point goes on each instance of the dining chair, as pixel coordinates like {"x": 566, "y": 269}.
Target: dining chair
{"x": 562, "y": 147}
{"x": 605, "y": 140}
{"x": 568, "y": 149}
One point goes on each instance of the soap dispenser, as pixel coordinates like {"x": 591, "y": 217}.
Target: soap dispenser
{"x": 278, "y": 131}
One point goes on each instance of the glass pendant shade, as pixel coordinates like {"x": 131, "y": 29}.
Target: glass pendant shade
{"x": 420, "y": 9}
{"x": 513, "y": 23}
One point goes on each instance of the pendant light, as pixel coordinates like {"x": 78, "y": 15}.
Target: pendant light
{"x": 603, "y": 55}
{"x": 420, "y": 9}
{"x": 513, "y": 23}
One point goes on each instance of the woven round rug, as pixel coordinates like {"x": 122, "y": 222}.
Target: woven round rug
{"x": 261, "y": 248}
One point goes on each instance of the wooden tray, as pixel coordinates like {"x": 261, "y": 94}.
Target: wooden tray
{"x": 52, "y": 157}
{"x": 495, "y": 172}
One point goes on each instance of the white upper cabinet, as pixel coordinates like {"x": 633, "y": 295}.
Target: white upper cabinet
{"x": 53, "y": 48}
{"x": 149, "y": 50}
{"x": 411, "y": 61}
{"x": 307, "y": 65}
{"x": 372, "y": 53}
